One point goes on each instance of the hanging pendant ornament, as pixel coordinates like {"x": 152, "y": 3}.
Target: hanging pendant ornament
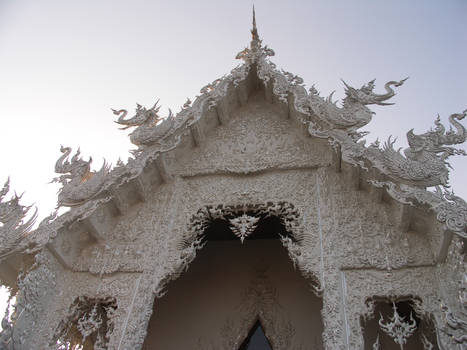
{"x": 243, "y": 226}
{"x": 397, "y": 328}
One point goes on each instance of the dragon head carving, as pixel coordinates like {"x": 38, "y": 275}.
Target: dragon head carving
{"x": 149, "y": 129}
{"x": 438, "y": 140}
{"x": 366, "y": 96}
{"x": 79, "y": 183}
{"x": 143, "y": 116}
{"x": 425, "y": 162}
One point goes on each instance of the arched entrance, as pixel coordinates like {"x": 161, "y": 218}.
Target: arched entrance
{"x": 239, "y": 295}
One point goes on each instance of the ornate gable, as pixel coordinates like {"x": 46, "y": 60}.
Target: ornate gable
{"x": 163, "y": 142}
{"x": 245, "y": 128}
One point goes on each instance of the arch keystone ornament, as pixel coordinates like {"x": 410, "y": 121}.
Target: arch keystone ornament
{"x": 259, "y": 158}
{"x": 243, "y": 226}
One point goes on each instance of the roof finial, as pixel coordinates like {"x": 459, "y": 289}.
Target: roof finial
{"x": 254, "y": 30}
{"x": 256, "y": 50}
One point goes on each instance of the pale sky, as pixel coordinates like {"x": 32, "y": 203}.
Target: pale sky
{"x": 64, "y": 64}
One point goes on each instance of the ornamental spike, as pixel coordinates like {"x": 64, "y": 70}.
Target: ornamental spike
{"x": 255, "y": 41}
{"x": 254, "y": 30}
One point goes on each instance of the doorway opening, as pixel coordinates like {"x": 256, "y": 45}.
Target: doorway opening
{"x": 239, "y": 295}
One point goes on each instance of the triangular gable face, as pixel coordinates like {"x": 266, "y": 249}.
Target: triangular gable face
{"x": 257, "y": 136}
{"x": 356, "y": 220}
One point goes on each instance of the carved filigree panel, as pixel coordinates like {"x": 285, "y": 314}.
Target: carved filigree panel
{"x": 170, "y": 253}
{"x": 360, "y": 286}
{"x": 257, "y": 137}
{"x": 398, "y": 323}
{"x": 364, "y": 231}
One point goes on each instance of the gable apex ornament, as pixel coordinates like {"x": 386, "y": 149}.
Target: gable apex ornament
{"x": 256, "y": 51}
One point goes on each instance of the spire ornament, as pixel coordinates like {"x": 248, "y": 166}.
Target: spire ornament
{"x": 254, "y": 30}
{"x": 256, "y": 51}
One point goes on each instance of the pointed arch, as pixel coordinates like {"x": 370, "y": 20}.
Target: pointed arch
{"x": 291, "y": 236}
{"x": 239, "y": 284}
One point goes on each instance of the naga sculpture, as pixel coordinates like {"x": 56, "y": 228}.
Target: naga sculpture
{"x": 148, "y": 129}
{"x": 424, "y": 163}
{"x": 80, "y": 184}
{"x": 354, "y": 112}
{"x": 13, "y": 228}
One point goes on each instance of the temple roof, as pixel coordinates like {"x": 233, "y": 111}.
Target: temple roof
{"x": 404, "y": 175}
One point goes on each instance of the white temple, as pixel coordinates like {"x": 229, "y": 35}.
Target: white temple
{"x": 255, "y": 218}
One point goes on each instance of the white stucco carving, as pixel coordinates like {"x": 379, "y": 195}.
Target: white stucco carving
{"x": 360, "y": 223}
{"x": 80, "y": 184}
{"x": 243, "y": 226}
{"x": 148, "y": 129}
{"x": 14, "y": 224}
{"x": 397, "y": 327}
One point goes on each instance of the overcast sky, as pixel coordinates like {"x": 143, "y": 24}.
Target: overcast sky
{"x": 64, "y": 64}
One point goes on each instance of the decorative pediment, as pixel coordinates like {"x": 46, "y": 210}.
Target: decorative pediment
{"x": 162, "y": 141}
